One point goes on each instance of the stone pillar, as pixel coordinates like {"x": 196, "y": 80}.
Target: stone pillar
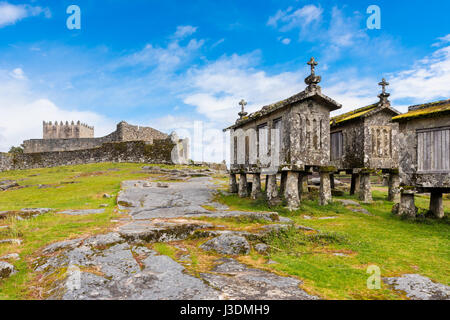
{"x": 436, "y": 206}
{"x": 283, "y": 181}
{"x": 394, "y": 187}
{"x": 354, "y": 187}
{"x": 406, "y": 207}
{"x": 291, "y": 190}
{"x": 302, "y": 183}
{"x": 332, "y": 181}
{"x": 233, "y": 188}
{"x": 325, "y": 188}
{"x": 365, "y": 192}
{"x": 243, "y": 192}
{"x": 256, "y": 186}
{"x": 386, "y": 179}
{"x": 272, "y": 190}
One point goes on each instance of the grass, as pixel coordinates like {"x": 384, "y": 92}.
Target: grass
{"x": 397, "y": 246}
{"x": 92, "y": 181}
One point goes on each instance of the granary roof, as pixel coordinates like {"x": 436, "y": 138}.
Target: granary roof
{"x": 426, "y": 110}
{"x": 313, "y": 91}
{"x": 361, "y": 113}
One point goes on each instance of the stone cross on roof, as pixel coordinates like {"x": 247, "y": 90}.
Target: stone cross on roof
{"x": 242, "y": 103}
{"x": 383, "y": 85}
{"x": 312, "y": 80}
{"x": 384, "y": 95}
{"x": 312, "y": 63}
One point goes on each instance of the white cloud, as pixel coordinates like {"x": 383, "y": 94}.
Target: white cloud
{"x": 286, "y": 41}
{"x": 18, "y": 74}
{"x": 442, "y": 41}
{"x": 10, "y": 13}
{"x": 23, "y": 112}
{"x": 428, "y": 79}
{"x": 217, "y": 88}
{"x": 184, "y": 31}
{"x": 300, "y": 18}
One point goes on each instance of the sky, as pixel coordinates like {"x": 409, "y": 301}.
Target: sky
{"x": 184, "y": 65}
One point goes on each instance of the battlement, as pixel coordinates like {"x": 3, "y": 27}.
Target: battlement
{"x": 67, "y": 130}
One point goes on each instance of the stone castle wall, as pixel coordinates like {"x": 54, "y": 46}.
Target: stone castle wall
{"x": 67, "y": 130}
{"x": 159, "y": 151}
{"x": 124, "y": 132}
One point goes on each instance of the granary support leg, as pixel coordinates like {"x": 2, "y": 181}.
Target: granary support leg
{"x": 436, "y": 206}
{"x": 325, "y": 188}
{"x": 354, "y": 187}
{"x": 365, "y": 192}
{"x": 302, "y": 184}
{"x": 272, "y": 190}
{"x": 291, "y": 190}
{"x": 256, "y": 186}
{"x": 394, "y": 187}
{"x": 407, "y": 207}
{"x": 283, "y": 181}
{"x": 233, "y": 188}
{"x": 243, "y": 191}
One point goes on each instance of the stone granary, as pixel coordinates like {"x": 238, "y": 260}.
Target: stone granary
{"x": 364, "y": 141}
{"x": 424, "y": 147}
{"x": 290, "y": 137}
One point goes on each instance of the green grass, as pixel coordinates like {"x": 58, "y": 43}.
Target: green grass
{"x": 93, "y": 180}
{"x": 397, "y": 246}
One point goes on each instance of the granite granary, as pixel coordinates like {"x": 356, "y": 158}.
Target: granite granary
{"x": 364, "y": 141}
{"x": 424, "y": 143}
{"x": 290, "y": 138}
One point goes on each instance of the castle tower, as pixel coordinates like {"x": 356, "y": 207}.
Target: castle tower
{"x": 67, "y": 130}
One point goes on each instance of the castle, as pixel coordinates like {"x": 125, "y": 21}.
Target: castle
{"x": 67, "y": 131}
{"x": 79, "y": 136}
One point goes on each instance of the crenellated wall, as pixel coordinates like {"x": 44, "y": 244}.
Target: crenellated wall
{"x": 67, "y": 130}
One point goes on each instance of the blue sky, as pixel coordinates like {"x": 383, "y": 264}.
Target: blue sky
{"x": 170, "y": 64}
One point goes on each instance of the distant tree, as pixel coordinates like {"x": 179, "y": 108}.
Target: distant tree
{"x": 15, "y": 150}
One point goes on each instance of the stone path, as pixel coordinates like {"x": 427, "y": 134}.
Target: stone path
{"x": 117, "y": 265}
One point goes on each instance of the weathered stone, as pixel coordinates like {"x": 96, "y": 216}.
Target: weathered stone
{"x": 272, "y": 190}
{"x": 11, "y": 256}
{"x": 82, "y": 212}
{"x": 406, "y": 207}
{"x": 243, "y": 190}
{"x": 291, "y": 193}
{"x": 394, "y": 187}
{"x": 6, "y": 270}
{"x": 11, "y": 241}
{"x": 104, "y": 240}
{"x": 355, "y": 184}
{"x": 233, "y": 187}
{"x": 283, "y": 181}
{"x": 436, "y": 204}
{"x": 148, "y": 231}
{"x": 227, "y": 244}
{"x": 365, "y": 192}
{"x": 239, "y": 282}
{"x": 66, "y": 244}
{"x": 417, "y": 287}
{"x": 256, "y": 186}
{"x": 325, "y": 188}
{"x": 261, "y": 248}
{"x": 8, "y": 184}
{"x": 302, "y": 183}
